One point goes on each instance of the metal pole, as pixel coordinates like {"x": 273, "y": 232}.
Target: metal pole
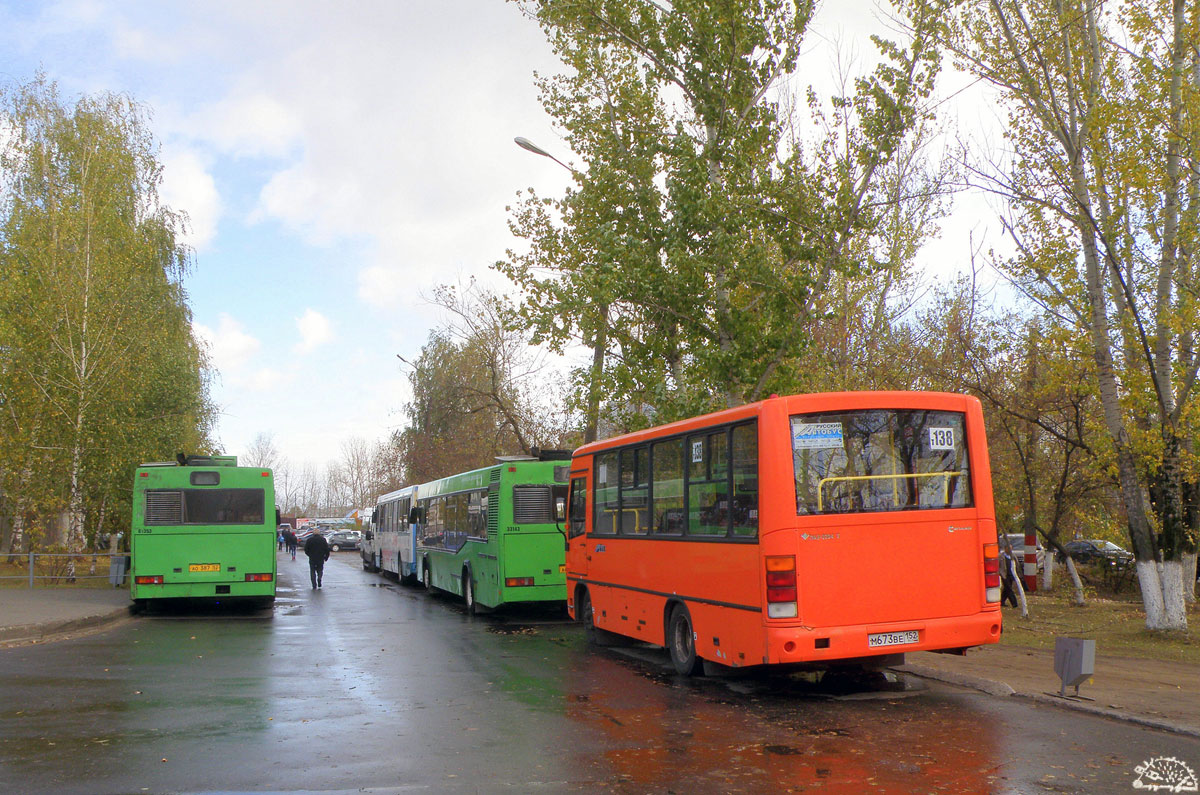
{"x": 31, "y": 571}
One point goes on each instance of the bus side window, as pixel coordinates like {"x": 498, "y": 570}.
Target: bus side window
{"x": 668, "y": 487}
{"x": 606, "y": 500}
{"x": 577, "y": 521}
{"x": 745, "y": 480}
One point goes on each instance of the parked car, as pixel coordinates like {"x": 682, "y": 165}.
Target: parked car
{"x": 1095, "y": 549}
{"x": 343, "y": 539}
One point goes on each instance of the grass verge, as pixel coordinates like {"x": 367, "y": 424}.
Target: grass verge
{"x": 1118, "y": 625}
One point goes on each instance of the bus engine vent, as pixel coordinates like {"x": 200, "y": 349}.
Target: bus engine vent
{"x": 532, "y": 505}
{"x": 164, "y": 507}
{"x": 493, "y": 508}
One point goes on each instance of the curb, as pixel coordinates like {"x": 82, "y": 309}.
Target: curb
{"x": 47, "y": 631}
{"x": 989, "y": 686}
{"x": 995, "y": 688}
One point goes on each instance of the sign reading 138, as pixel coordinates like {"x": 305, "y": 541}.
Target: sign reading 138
{"x": 941, "y": 438}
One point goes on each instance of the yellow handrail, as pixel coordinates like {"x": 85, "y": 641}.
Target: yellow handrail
{"x": 637, "y": 519}
{"x": 945, "y": 498}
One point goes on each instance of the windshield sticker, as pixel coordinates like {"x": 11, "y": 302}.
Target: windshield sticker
{"x": 698, "y": 452}
{"x": 941, "y": 438}
{"x": 816, "y": 435}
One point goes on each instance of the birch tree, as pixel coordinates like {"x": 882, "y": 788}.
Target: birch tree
{"x": 100, "y": 365}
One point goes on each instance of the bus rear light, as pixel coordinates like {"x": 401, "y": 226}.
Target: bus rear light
{"x": 258, "y": 578}
{"x": 781, "y": 594}
{"x": 515, "y": 582}
{"x": 155, "y": 580}
{"x": 781, "y": 586}
{"x": 991, "y": 572}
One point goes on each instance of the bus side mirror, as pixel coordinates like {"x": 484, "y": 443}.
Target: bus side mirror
{"x": 278, "y": 517}
{"x": 375, "y": 515}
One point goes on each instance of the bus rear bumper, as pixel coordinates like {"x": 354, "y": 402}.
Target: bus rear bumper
{"x": 206, "y": 590}
{"x": 797, "y": 644}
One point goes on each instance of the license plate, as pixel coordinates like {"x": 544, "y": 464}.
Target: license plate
{"x": 892, "y": 638}
{"x": 205, "y": 567}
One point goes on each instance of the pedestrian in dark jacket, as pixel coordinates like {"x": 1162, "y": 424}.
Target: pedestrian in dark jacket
{"x": 317, "y": 549}
{"x": 290, "y": 541}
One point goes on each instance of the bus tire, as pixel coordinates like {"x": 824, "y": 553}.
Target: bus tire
{"x": 586, "y": 615}
{"x": 468, "y": 589}
{"x": 681, "y": 642}
{"x": 427, "y": 577}
{"x": 366, "y": 566}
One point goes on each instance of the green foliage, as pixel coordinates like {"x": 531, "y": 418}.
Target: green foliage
{"x": 702, "y": 246}
{"x": 100, "y": 368}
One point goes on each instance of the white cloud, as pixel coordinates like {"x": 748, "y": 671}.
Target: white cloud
{"x": 231, "y": 346}
{"x": 315, "y": 330}
{"x": 188, "y": 187}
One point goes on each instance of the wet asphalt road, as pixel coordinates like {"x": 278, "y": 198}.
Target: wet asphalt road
{"x": 368, "y": 685}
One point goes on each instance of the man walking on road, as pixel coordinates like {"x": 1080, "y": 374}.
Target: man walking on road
{"x": 317, "y": 549}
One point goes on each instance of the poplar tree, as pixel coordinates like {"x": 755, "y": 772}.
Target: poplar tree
{"x": 1103, "y": 186}
{"x": 700, "y": 242}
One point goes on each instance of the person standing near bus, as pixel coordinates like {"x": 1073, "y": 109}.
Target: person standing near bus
{"x": 317, "y": 549}
{"x": 289, "y": 538}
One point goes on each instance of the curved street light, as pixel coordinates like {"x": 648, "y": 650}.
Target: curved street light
{"x": 530, "y": 146}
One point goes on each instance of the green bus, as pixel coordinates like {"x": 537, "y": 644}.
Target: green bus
{"x": 494, "y": 536}
{"x": 203, "y": 530}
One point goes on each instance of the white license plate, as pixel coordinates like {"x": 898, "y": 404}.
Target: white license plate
{"x": 892, "y": 638}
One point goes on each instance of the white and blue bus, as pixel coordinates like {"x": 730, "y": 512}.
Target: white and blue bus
{"x": 390, "y": 543}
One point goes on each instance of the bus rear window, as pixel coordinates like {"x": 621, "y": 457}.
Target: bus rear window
{"x": 204, "y": 506}
{"x": 880, "y": 460}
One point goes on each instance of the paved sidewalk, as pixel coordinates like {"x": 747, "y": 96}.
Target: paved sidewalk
{"x": 38, "y": 614}
{"x": 1157, "y": 693}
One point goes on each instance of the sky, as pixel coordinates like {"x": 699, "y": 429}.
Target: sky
{"x": 337, "y": 162}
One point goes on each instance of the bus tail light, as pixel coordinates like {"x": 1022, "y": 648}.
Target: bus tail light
{"x": 514, "y": 582}
{"x": 154, "y": 580}
{"x": 258, "y": 578}
{"x": 781, "y": 586}
{"x": 991, "y": 572}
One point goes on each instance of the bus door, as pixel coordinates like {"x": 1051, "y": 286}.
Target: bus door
{"x": 577, "y": 516}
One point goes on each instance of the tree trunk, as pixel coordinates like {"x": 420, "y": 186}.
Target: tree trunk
{"x": 1077, "y": 599}
{"x": 599, "y": 347}
{"x": 1022, "y": 602}
{"x": 1047, "y": 571}
{"x": 1189, "y": 577}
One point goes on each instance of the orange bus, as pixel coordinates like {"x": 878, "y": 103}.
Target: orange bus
{"x": 843, "y": 528}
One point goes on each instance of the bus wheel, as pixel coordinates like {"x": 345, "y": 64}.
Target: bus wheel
{"x": 427, "y": 577}
{"x": 681, "y": 642}
{"x": 468, "y": 589}
{"x": 366, "y": 566}
{"x": 586, "y": 615}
